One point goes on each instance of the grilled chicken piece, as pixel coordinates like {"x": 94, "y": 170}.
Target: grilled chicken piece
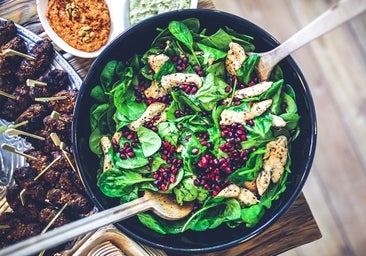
{"x": 155, "y": 91}
{"x": 275, "y": 157}
{"x": 244, "y": 196}
{"x": 172, "y": 80}
{"x": 106, "y": 145}
{"x": 152, "y": 110}
{"x": 278, "y": 122}
{"x": 263, "y": 180}
{"x": 156, "y": 61}
{"x": 252, "y": 91}
{"x": 228, "y": 117}
{"x": 274, "y": 161}
{"x": 235, "y": 58}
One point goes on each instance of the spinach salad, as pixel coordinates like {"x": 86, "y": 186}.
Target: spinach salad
{"x": 190, "y": 118}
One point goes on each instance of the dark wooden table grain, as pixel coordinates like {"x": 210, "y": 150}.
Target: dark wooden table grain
{"x": 295, "y": 228}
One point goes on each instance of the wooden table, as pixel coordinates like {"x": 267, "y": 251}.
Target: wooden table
{"x": 295, "y": 228}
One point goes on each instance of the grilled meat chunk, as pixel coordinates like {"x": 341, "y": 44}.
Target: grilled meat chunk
{"x": 34, "y": 114}
{"x": 56, "y": 80}
{"x": 28, "y": 211}
{"x": 42, "y": 159}
{"x": 65, "y": 106}
{"x": 24, "y": 176}
{"x": 7, "y": 31}
{"x": 7, "y": 84}
{"x": 24, "y": 231}
{"x": 61, "y": 126}
{"x": 70, "y": 181}
{"x": 43, "y": 52}
{"x": 47, "y": 214}
{"x": 12, "y": 108}
{"x": 75, "y": 201}
{"x": 9, "y": 64}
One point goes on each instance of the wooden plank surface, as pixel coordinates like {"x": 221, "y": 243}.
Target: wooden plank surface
{"x": 295, "y": 228}
{"x": 334, "y": 67}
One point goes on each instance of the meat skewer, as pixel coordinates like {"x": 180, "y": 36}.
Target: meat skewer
{"x": 48, "y": 192}
{"x": 8, "y": 64}
{"x": 43, "y": 52}
{"x": 7, "y": 31}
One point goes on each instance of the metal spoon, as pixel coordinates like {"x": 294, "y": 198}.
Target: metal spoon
{"x": 161, "y": 204}
{"x": 338, "y": 14}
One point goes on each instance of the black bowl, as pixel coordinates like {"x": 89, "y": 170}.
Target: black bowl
{"x": 137, "y": 40}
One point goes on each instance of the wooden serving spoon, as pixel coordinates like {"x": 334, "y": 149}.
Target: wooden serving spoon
{"x": 161, "y": 204}
{"x": 338, "y": 14}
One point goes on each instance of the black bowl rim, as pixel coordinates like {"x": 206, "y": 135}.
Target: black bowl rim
{"x": 312, "y": 115}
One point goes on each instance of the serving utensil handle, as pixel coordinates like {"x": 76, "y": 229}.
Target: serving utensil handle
{"x": 338, "y": 14}
{"x": 69, "y": 231}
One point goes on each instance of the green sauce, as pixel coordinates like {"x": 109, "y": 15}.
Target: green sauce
{"x": 142, "y": 9}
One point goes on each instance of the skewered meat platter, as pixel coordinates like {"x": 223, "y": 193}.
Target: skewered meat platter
{"x": 43, "y": 190}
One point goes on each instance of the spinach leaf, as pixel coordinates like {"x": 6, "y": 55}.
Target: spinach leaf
{"x": 107, "y": 77}
{"x": 211, "y": 92}
{"x": 243, "y": 39}
{"x": 168, "y": 67}
{"x": 99, "y": 94}
{"x": 182, "y": 33}
{"x": 98, "y": 117}
{"x": 94, "y": 142}
{"x": 219, "y": 40}
{"x": 168, "y": 131}
{"x": 149, "y": 140}
{"x": 246, "y": 71}
{"x": 251, "y": 215}
{"x": 190, "y": 158}
{"x": 251, "y": 169}
{"x": 211, "y": 54}
{"x": 114, "y": 182}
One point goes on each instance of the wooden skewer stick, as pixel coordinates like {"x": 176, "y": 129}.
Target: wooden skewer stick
{"x": 3, "y": 128}
{"x": 56, "y": 116}
{"x": 45, "y": 99}
{"x": 12, "y": 131}
{"x": 56, "y": 140}
{"x": 62, "y": 146}
{"x": 13, "y": 150}
{"x": 22, "y": 196}
{"x": 54, "y": 219}
{"x": 22, "y": 193}
{"x": 8, "y": 95}
{"x": 50, "y": 224}
{"x": 32, "y": 83}
{"x": 47, "y": 167}
{"x": 11, "y": 52}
